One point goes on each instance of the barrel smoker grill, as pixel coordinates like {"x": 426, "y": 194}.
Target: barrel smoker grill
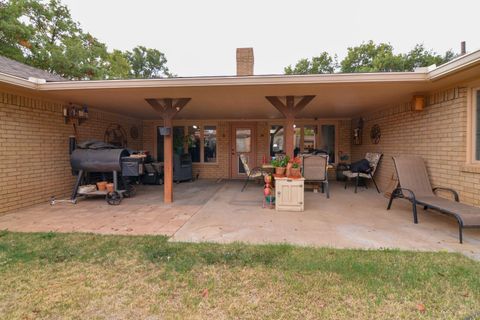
{"x": 100, "y": 161}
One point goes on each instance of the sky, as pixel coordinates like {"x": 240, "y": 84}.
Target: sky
{"x": 199, "y": 37}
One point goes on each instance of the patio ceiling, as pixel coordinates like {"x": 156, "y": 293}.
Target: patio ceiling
{"x": 248, "y": 102}
{"x": 336, "y": 95}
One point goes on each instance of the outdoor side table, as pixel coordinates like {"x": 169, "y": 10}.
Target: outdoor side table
{"x": 268, "y": 167}
{"x": 289, "y": 194}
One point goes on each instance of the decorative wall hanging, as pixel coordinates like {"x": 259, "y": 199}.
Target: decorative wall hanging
{"x": 116, "y": 135}
{"x": 375, "y": 134}
{"x": 357, "y": 132}
{"x": 134, "y": 132}
{"x": 75, "y": 113}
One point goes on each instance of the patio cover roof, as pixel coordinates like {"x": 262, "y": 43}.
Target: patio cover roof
{"x": 234, "y": 97}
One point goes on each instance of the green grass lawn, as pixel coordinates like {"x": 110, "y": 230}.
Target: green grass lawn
{"x": 50, "y": 275}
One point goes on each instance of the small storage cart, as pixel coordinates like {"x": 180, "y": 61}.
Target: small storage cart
{"x": 112, "y": 197}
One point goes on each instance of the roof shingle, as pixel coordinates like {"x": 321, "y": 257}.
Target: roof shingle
{"x": 21, "y": 70}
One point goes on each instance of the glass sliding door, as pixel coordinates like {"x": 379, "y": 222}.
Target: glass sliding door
{"x": 327, "y": 140}
{"x": 243, "y": 146}
{"x": 309, "y": 138}
{"x": 277, "y": 140}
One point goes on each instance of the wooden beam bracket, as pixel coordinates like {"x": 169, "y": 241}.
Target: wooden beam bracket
{"x": 289, "y": 110}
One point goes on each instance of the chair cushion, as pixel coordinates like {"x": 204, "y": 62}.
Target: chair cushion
{"x": 351, "y": 174}
{"x": 361, "y": 166}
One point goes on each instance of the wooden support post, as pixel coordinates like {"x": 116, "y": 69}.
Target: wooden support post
{"x": 167, "y": 110}
{"x": 289, "y": 110}
{"x": 289, "y": 135}
{"x": 168, "y": 163}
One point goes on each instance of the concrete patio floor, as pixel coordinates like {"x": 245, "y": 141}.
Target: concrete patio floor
{"x": 346, "y": 220}
{"x": 207, "y": 210}
{"x": 145, "y": 213}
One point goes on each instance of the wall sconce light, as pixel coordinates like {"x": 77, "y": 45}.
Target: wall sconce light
{"x": 418, "y": 103}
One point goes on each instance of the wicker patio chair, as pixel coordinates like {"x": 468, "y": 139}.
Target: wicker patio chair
{"x": 315, "y": 170}
{"x": 414, "y": 185}
{"x": 253, "y": 173}
{"x": 373, "y": 158}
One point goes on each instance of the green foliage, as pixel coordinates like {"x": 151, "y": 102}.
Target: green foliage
{"x": 324, "y": 63}
{"x": 13, "y": 35}
{"x": 371, "y": 57}
{"x": 118, "y": 65}
{"x": 43, "y": 34}
{"x": 147, "y": 63}
{"x": 421, "y": 57}
{"x": 280, "y": 162}
{"x": 275, "y": 163}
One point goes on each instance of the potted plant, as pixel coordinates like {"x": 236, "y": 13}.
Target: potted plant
{"x": 280, "y": 165}
{"x": 178, "y": 144}
{"x": 295, "y": 170}
{"x": 278, "y": 168}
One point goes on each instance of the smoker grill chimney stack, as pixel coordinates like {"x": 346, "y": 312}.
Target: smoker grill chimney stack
{"x": 463, "y": 48}
{"x": 244, "y": 61}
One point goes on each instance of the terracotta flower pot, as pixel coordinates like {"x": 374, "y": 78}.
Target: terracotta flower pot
{"x": 280, "y": 171}
{"x": 295, "y": 172}
{"x": 110, "y": 187}
{"x": 101, "y": 185}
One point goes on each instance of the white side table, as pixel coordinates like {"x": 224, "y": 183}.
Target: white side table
{"x": 289, "y": 194}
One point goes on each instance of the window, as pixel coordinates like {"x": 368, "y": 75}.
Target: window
{"x": 327, "y": 140}
{"x": 297, "y": 139}
{"x": 309, "y": 138}
{"x": 194, "y": 142}
{"x": 243, "y": 140}
{"x": 476, "y": 126}
{"x": 178, "y": 142}
{"x": 192, "y": 139}
{"x": 276, "y": 140}
{"x": 306, "y": 138}
{"x": 210, "y": 144}
{"x": 159, "y": 145}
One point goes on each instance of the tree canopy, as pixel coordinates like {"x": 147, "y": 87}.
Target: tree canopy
{"x": 371, "y": 57}
{"x": 43, "y": 34}
{"x": 324, "y": 63}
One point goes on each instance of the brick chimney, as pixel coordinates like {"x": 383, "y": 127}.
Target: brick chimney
{"x": 244, "y": 61}
{"x": 463, "y": 48}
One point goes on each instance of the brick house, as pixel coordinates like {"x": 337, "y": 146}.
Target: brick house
{"x": 432, "y": 112}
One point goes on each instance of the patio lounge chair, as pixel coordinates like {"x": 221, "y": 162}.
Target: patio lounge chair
{"x": 414, "y": 185}
{"x": 315, "y": 169}
{"x": 254, "y": 173}
{"x": 373, "y": 158}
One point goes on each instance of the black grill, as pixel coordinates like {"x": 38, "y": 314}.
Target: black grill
{"x": 98, "y": 160}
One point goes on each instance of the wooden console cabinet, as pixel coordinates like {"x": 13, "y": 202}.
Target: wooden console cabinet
{"x": 289, "y": 194}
